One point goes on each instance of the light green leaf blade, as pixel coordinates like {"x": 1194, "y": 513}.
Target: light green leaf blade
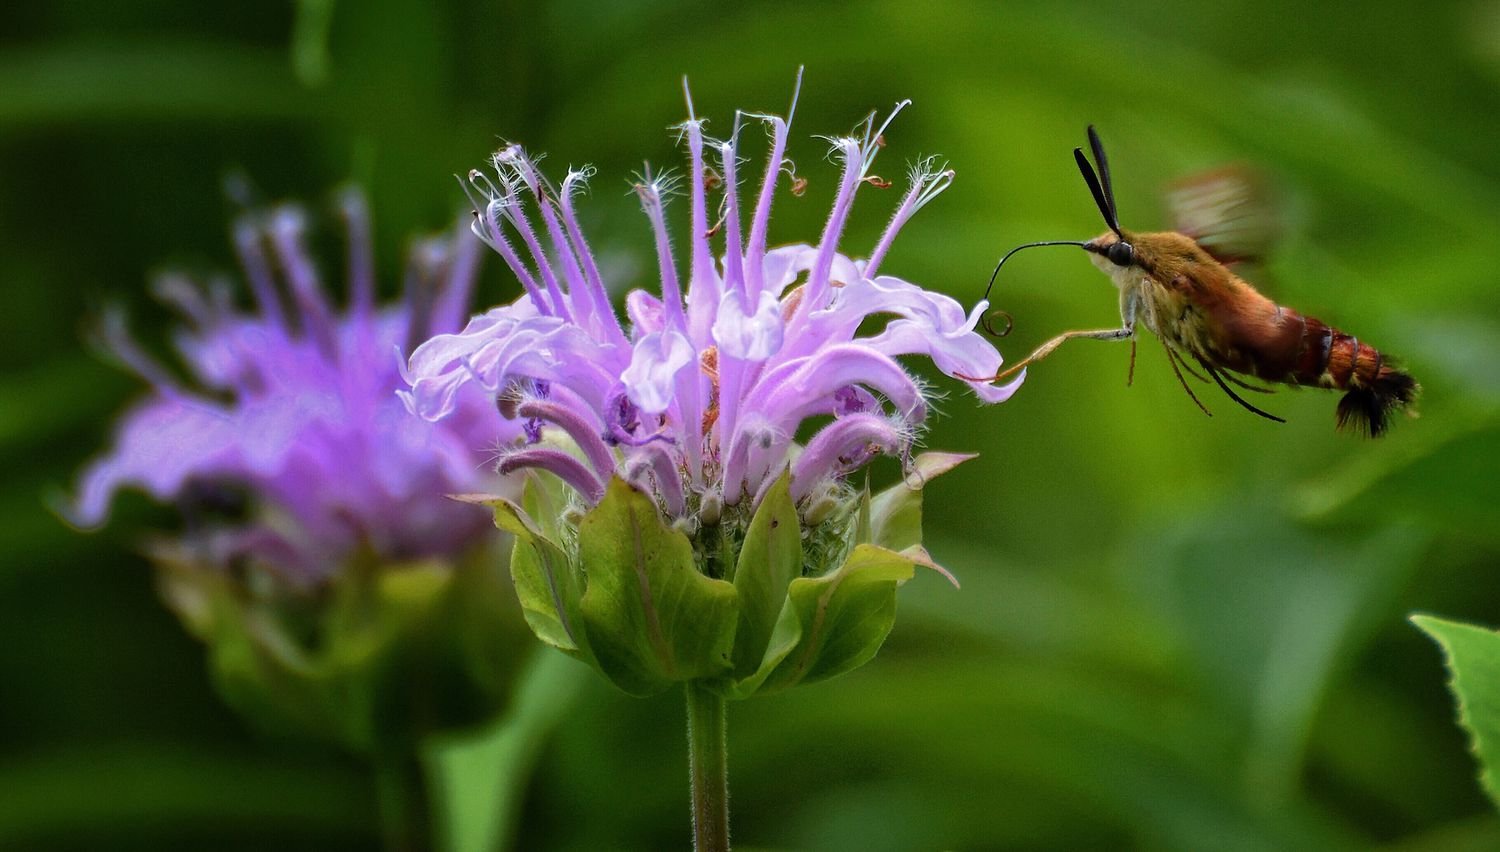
{"x": 1473, "y": 656}
{"x": 545, "y": 500}
{"x": 310, "y": 30}
{"x": 652, "y": 619}
{"x": 479, "y": 779}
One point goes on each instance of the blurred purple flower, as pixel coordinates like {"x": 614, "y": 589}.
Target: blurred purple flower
{"x": 294, "y": 406}
{"x": 703, "y": 396}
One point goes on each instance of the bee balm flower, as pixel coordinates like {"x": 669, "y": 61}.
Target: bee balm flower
{"x": 306, "y": 486}
{"x": 699, "y": 530}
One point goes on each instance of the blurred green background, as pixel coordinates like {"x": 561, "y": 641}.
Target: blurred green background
{"x": 1174, "y": 632}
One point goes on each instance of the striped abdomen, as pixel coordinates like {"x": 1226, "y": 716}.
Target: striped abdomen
{"x": 1330, "y": 358}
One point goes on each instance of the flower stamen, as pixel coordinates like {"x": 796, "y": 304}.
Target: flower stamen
{"x": 926, "y": 184}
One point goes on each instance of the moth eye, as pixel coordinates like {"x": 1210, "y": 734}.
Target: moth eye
{"x": 1122, "y": 254}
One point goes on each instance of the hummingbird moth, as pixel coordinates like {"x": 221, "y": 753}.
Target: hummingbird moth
{"x": 1179, "y": 284}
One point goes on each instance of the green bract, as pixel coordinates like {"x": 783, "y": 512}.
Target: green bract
{"x": 375, "y": 661}
{"x": 752, "y": 604}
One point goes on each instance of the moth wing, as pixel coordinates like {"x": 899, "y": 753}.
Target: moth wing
{"x": 1229, "y": 211}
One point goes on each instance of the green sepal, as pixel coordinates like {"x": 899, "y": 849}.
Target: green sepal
{"x": 864, "y": 532}
{"x": 770, "y": 558}
{"x": 545, "y": 499}
{"x": 895, "y": 514}
{"x": 652, "y": 619}
{"x": 546, "y": 583}
{"x": 381, "y": 658}
{"x": 1473, "y": 657}
{"x": 832, "y": 624}
{"x": 549, "y": 599}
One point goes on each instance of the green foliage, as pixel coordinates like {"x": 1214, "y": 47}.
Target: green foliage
{"x": 895, "y": 515}
{"x": 1473, "y": 657}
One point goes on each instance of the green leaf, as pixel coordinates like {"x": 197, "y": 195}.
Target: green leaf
{"x": 652, "y": 619}
{"x": 770, "y": 558}
{"x": 480, "y": 778}
{"x": 1474, "y": 662}
{"x": 834, "y": 623}
{"x": 896, "y": 513}
{"x": 919, "y": 556}
{"x": 418, "y": 647}
{"x": 310, "y": 29}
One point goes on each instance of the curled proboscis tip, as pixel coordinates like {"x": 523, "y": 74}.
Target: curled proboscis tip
{"x": 988, "y": 321}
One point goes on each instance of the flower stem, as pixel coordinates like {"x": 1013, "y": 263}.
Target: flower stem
{"x": 405, "y": 820}
{"x": 709, "y": 764}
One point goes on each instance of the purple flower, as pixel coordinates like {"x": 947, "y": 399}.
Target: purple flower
{"x": 294, "y": 405}
{"x": 700, "y": 399}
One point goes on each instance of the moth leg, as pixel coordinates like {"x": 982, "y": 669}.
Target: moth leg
{"x": 1185, "y": 365}
{"x": 1174, "y": 358}
{"x": 1129, "y": 302}
{"x": 1232, "y": 379}
{"x": 1050, "y": 346}
{"x": 1209, "y": 368}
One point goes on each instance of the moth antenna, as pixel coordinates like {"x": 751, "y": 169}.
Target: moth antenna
{"x": 1103, "y": 161}
{"x": 1234, "y": 396}
{"x": 1092, "y": 180}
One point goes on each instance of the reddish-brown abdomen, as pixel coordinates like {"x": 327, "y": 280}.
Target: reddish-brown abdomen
{"x": 1327, "y": 357}
{"x": 1330, "y": 358}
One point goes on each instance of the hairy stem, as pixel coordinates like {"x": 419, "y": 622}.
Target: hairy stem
{"x": 709, "y": 764}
